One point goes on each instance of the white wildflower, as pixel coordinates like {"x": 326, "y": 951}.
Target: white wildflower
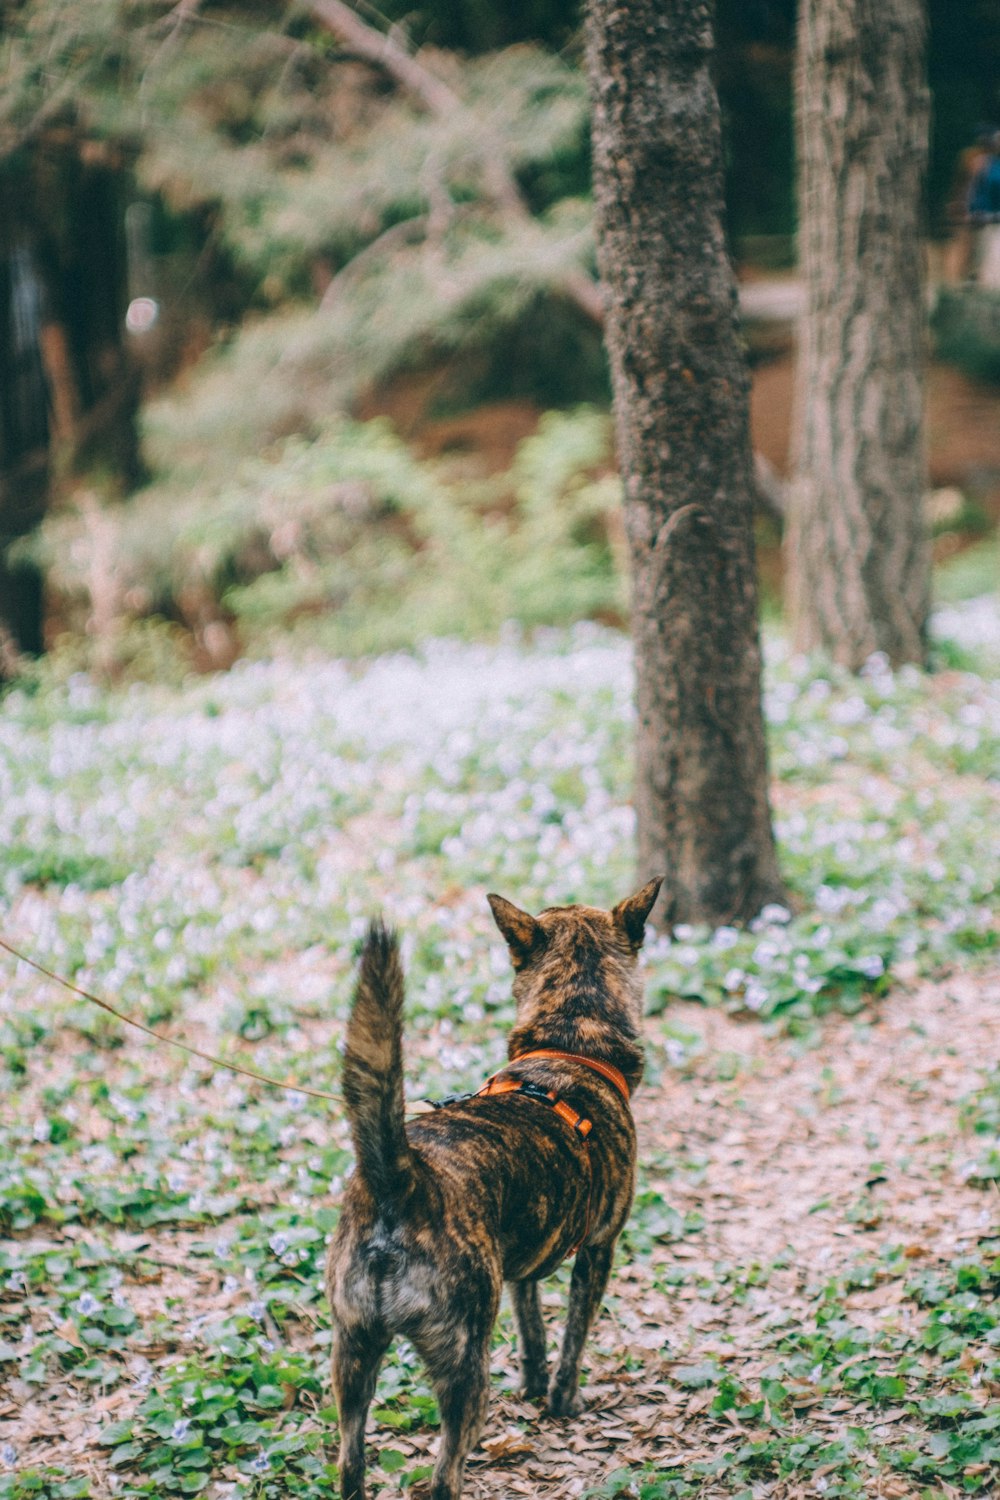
{"x": 726, "y": 937}
{"x": 756, "y": 995}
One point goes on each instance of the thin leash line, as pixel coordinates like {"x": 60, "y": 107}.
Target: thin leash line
{"x": 169, "y": 1041}
{"x": 218, "y": 1062}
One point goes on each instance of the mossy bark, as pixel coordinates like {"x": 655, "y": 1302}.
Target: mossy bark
{"x": 858, "y": 561}
{"x": 682, "y": 415}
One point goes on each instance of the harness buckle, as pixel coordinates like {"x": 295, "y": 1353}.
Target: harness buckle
{"x": 536, "y": 1091}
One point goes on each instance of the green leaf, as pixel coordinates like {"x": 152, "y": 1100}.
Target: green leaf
{"x": 694, "y": 1377}
{"x": 116, "y": 1432}
{"x": 888, "y": 1388}
{"x": 270, "y": 1397}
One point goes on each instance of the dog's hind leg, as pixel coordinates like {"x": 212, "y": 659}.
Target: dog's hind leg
{"x": 355, "y": 1361}
{"x": 531, "y": 1337}
{"x": 591, "y": 1270}
{"x": 462, "y": 1385}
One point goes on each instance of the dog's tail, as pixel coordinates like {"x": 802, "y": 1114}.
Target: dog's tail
{"x": 373, "y": 1071}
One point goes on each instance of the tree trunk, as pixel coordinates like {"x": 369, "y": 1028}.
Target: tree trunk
{"x": 858, "y": 562}
{"x": 682, "y": 415}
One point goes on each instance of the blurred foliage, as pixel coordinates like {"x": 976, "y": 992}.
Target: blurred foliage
{"x": 356, "y": 234}
{"x": 304, "y": 151}
{"x": 346, "y": 541}
{"x": 965, "y": 326}
{"x": 972, "y": 572}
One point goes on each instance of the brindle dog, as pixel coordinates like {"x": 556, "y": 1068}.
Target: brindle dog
{"x": 499, "y": 1186}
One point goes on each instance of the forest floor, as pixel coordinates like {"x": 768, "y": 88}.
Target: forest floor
{"x": 825, "y": 1199}
{"x": 805, "y": 1297}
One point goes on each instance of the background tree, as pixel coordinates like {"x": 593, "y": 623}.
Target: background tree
{"x": 681, "y": 410}
{"x": 859, "y": 575}
{"x": 68, "y": 391}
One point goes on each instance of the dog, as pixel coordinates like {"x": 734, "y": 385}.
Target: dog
{"x": 497, "y": 1186}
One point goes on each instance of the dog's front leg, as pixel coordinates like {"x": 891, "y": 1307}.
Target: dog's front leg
{"x": 530, "y": 1337}
{"x": 591, "y": 1270}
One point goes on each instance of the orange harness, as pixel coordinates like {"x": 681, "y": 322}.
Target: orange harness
{"x": 497, "y": 1084}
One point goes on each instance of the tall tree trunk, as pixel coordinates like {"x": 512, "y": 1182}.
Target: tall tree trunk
{"x": 857, "y": 554}
{"x": 681, "y": 408}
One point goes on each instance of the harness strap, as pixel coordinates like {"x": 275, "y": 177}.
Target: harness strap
{"x": 594, "y": 1063}
{"x": 566, "y": 1111}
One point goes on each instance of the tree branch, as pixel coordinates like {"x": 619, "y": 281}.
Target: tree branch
{"x": 406, "y": 232}
{"x": 380, "y": 50}
{"x": 586, "y": 293}
{"x": 770, "y": 490}
{"x": 180, "y": 13}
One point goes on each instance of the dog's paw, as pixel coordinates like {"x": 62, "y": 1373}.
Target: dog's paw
{"x": 564, "y": 1402}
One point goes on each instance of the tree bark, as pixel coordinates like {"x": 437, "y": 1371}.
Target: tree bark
{"x": 858, "y": 562}
{"x": 682, "y": 416}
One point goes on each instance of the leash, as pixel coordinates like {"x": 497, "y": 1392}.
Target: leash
{"x": 495, "y": 1084}
{"x": 218, "y": 1062}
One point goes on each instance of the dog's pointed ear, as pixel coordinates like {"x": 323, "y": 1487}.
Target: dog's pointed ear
{"x": 520, "y": 930}
{"x": 631, "y": 913}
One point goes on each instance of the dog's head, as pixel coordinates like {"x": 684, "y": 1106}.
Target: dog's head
{"x": 575, "y": 979}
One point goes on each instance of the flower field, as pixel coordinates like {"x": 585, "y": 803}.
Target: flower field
{"x": 783, "y": 1321}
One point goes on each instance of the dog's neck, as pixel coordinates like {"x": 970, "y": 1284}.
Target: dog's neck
{"x": 584, "y": 1035}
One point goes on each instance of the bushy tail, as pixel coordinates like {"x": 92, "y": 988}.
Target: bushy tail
{"x": 373, "y": 1070}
